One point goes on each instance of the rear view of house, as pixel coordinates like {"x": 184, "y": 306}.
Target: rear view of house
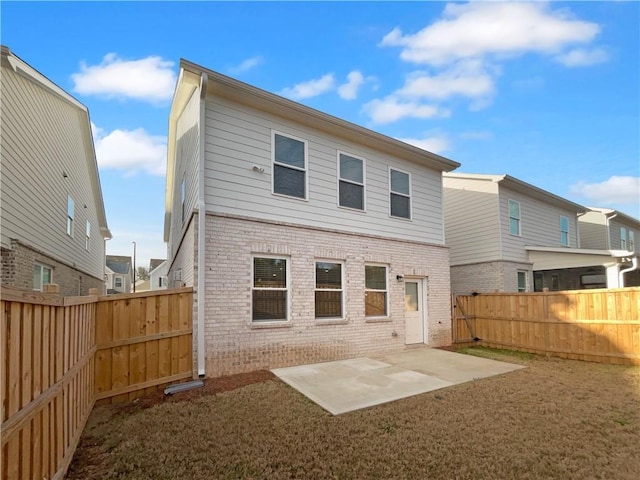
{"x": 53, "y": 220}
{"x": 307, "y": 238}
{"x": 118, "y": 274}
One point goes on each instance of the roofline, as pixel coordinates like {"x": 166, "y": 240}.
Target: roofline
{"x": 23, "y": 68}
{"x": 610, "y": 212}
{"x": 581, "y": 251}
{"x": 532, "y": 190}
{"x": 228, "y": 87}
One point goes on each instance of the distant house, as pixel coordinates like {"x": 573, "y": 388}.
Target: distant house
{"x": 119, "y": 274}
{"x": 607, "y": 229}
{"x": 157, "y": 274}
{"x": 507, "y": 235}
{"x": 52, "y": 213}
{"x": 306, "y": 238}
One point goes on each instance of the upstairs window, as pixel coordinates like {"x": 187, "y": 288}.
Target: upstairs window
{"x": 564, "y": 231}
{"x": 289, "y": 166}
{"x": 623, "y": 238}
{"x": 632, "y": 241}
{"x": 375, "y": 294}
{"x": 350, "y": 182}
{"x": 41, "y": 276}
{"x": 399, "y": 193}
{"x": 514, "y": 217}
{"x": 70, "y": 215}
{"x": 329, "y": 292}
{"x": 87, "y": 238}
{"x": 270, "y": 290}
{"x": 183, "y": 198}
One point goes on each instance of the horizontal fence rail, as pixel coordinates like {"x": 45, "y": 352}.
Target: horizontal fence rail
{"x": 595, "y": 325}
{"x": 55, "y": 352}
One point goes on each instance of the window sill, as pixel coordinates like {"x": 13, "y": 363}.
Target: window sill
{"x": 331, "y": 321}
{"x": 378, "y": 320}
{"x": 404, "y": 219}
{"x": 290, "y": 197}
{"x": 264, "y": 325}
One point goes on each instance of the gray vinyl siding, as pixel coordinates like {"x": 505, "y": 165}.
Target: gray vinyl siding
{"x": 186, "y": 166}
{"x": 43, "y": 136}
{"x": 185, "y": 258}
{"x": 593, "y": 231}
{"x": 614, "y": 230}
{"x": 471, "y": 220}
{"x": 539, "y": 225}
{"x": 237, "y": 138}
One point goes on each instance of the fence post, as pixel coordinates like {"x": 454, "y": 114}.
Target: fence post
{"x": 51, "y": 288}
{"x": 94, "y": 291}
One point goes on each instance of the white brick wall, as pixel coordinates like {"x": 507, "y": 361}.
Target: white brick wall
{"x": 234, "y": 344}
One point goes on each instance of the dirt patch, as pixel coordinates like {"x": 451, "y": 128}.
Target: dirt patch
{"x": 556, "y": 419}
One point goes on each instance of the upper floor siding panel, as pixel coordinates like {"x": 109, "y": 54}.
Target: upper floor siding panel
{"x": 540, "y": 225}
{"x": 472, "y": 229}
{"x": 239, "y": 138}
{"x": 187, "y": 161}
{"x": 593, "y": 231}
{"x": 624, "y": 235}
{"x": 45, "y": 146}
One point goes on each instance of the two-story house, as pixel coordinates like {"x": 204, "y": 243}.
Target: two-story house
{"x": 157, "y": 274}
{"x": 118, "y": 274}
{"x": 607, "y": 229}
{"x": 52, "y": 213}
{"x": 508, "y": 235}
{"x": 306, "y": 238}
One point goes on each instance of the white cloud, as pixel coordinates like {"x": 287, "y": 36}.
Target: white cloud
{"x": 134, "y": 151}
{"x": 349, "y": 90}
{"x": 478, "y": 29}
{"x": 309, "y": 89}
{"x": 477, "y": 135}
{"x": 467, "y": 79}
{"x": 615, "y": 190}
{"x": 581, "y": 57}
{"x": 247, "y": 65}
{"x": 392, "y": 109}
{"x": 149, "y": 79}
{"x": 436, "y": 144}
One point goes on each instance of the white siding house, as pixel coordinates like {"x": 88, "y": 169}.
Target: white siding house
{"x": 507, "y": 235}
{"x": 305, "y": 237}
{"x": 158, "y": 275}
{"x": 53, "y": 220}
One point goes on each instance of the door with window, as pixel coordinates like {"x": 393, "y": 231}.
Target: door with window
{"x": 414, "y": 308}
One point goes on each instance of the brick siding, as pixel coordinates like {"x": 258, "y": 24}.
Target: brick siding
{"x": 488, "y": 277}
{"x": 17, "y": 271}
{"x": 234, "y": 344}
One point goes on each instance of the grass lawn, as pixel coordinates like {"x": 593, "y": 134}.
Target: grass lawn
{"x": 556, "y": 419}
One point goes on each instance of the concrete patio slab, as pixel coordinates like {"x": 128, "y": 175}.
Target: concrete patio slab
{"x": 347, "y": 385}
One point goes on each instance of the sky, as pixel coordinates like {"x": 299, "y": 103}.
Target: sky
{"x": 547, "y": 92}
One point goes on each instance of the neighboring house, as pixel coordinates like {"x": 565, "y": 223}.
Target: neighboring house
{"x": 507, "y": 235}
{"x": 157, "y": 274}
{"x": 52, "y": 213}
{"x": 142, "y": 286}
{"x": 305, "y": 237}
{"x": 119, "y": 274}
{"x": 607, "y": 229}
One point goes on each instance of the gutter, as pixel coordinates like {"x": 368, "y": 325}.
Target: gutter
{"x": 607, "y": 218}
{"x": 634, "y": 266}
{"x": 201, "y": 230}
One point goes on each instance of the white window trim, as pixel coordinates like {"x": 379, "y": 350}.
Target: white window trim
{"x": 631, "y": 241}
{"x": 386, "y": 267}
{"x": 274, "y": 163}
{"x": 342, "y": 289}
{"x": 623, "y": 238}
{"x": 287, "y": 289}
{"x": 363, "y": 184}
{"x": 563, "y": 231}
{"x": 115, "y": 283}
{"x": 87, "y": 239}
{"x": 183, "y": 198}
{"x": 410, "y": 196}
{"x": 519, "y": 217}
{"x": 526, "y": 281}
{"x": 42, "y": 267}
{"x": 71, "y": 218}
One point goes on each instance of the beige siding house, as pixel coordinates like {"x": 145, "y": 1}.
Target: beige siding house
{"x": 53, "y": 220}
{"x": 305, "y": 237}
{"x": 507, "y": 235}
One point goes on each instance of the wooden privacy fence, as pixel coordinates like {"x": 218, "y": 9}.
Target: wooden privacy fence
{"x": 595, "y": 325}
{"x": 60, "y": 355}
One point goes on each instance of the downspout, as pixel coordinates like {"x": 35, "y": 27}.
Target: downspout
{"x": 578, "y": 241}
{"x": 607, "y": 218}
{"x": 634, "y": 266}
{"x": 201, "y": 229}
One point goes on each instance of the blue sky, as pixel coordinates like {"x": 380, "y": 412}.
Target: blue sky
{"x": 548, "y": 92}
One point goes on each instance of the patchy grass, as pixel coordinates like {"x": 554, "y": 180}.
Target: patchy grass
{"x": 556, "y": 419}
{"x": 496, "y": 353}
